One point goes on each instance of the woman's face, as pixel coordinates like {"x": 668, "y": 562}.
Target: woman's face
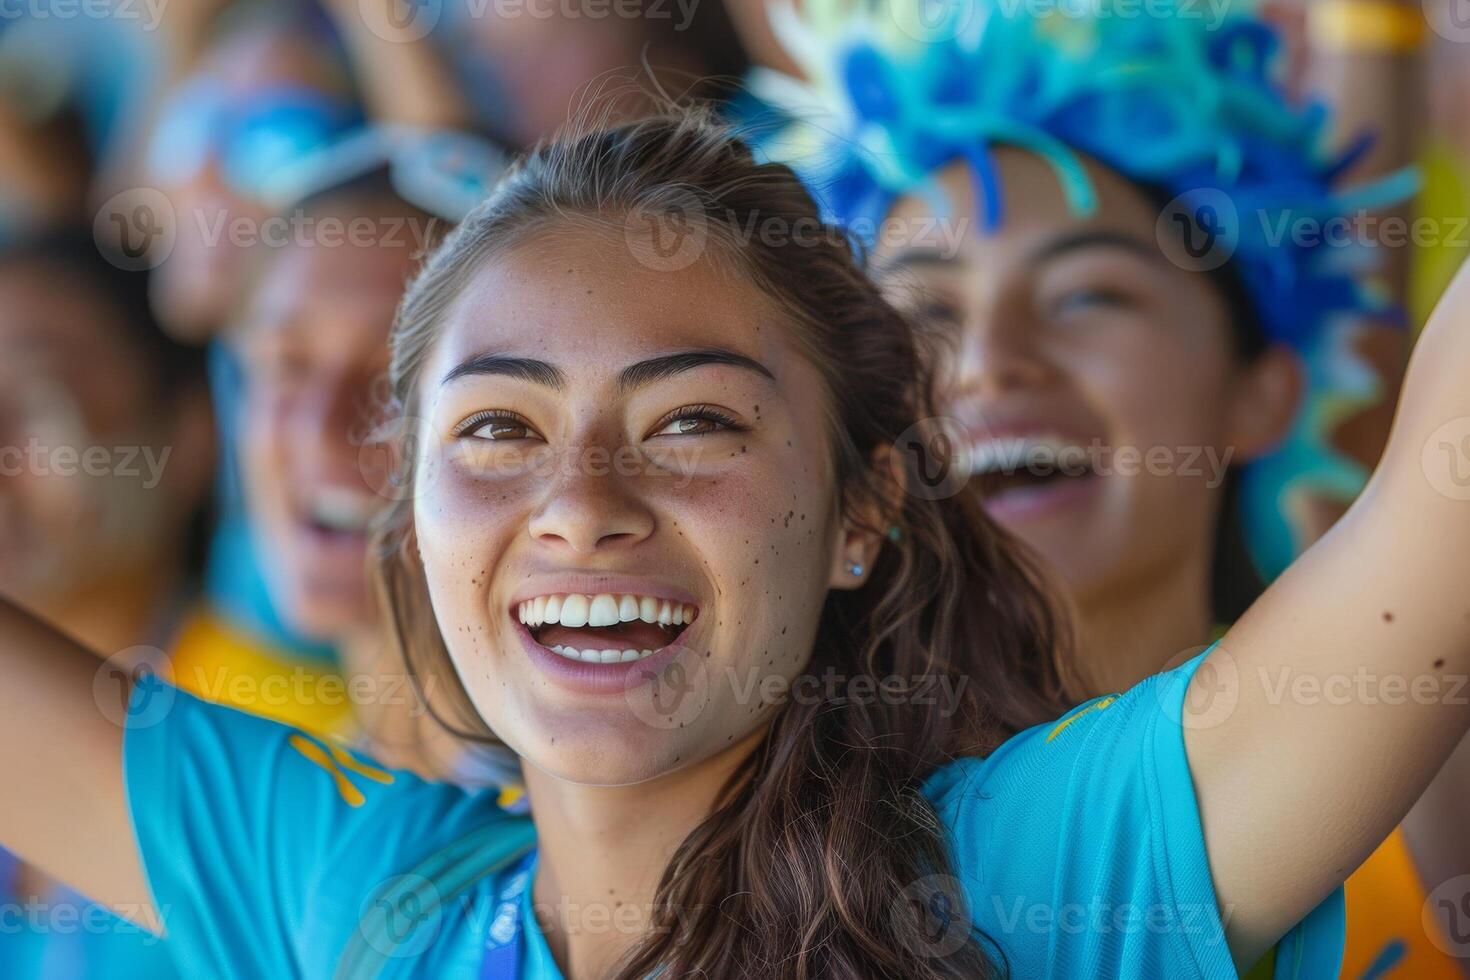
{"x": 629, "y": 439}
{"x": 1093, "y": 383}
{"x": 98, "y": 473}
{"x": 314, "y": 346}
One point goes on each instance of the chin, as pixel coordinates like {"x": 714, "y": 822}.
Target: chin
{"x": 606, "y": 751}
{"x": 325, "y": 618}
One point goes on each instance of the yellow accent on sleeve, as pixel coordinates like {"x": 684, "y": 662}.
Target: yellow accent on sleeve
{"x": 350, "y": 794}
{"x": 1097, "y": 705}
{"x": 347, "y": 759}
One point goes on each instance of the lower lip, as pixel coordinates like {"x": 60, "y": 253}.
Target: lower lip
{"x": 1031, "y": 503}
{"x": 581, "y": 677}
{"x": 339, "y": 544}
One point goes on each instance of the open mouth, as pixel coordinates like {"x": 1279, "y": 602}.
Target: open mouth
{"x": 605, "y": 628}
{"x": 1023, "y": 464}
{"x": 334, "y": 513}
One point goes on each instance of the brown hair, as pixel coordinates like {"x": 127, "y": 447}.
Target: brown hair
{"x": 801, "y": 869}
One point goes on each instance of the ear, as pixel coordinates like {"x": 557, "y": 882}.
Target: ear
{"x": 864, "y": 526}
{"x": 1264, "y": 402}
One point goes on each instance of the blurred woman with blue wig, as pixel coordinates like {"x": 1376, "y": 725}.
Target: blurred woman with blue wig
{"x": 1146, "y": 283}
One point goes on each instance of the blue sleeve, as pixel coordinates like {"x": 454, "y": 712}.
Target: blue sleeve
{"x": 1079, "y": 848}
{"x": 263, "y": 846}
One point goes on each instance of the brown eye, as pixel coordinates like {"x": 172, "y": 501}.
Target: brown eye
{"x": 501, "y": 430}
{"x": 699, "y": 420}
{"x": 498, "y": 426}
{"x": 688, "y": 427}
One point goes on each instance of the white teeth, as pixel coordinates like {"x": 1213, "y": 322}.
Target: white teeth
{"x": 1016, "y": 454}
{"x": 342, "y": 510}
{"x": 603, "y": 611}
{"x": 574, "y": 610}
{"x": 601, "y": 656}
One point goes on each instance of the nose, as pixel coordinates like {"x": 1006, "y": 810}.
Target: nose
{"x": 999, "y": 353}
{"x": 332, "y": 421}
{"x": 589, "y": 507}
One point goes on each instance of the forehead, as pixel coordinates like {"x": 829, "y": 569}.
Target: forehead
{"x": 334, "y": 279}
{"x": 38, "y": 317}
{"x": 1034, "y": 207}
{"x": 581, "y": 298}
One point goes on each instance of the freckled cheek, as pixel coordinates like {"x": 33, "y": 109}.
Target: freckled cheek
{"x": 464, "y": 526}
{"x": 762, "y": 534}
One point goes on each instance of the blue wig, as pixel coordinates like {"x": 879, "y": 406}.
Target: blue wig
{"x": 1172, "y": 95}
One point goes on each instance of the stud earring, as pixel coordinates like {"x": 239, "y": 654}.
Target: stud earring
{"x": 853, "y": 568}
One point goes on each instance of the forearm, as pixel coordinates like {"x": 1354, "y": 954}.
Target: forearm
{"x": 403, "y": 79}
{"x": 1345, "y": 684}
{"x": 65, "y": 809}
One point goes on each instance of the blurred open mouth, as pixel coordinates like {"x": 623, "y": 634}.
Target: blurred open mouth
{"x": 1015, "y": 475}
{"x": 604, "y": 628}
{"x": 334, "y": 516}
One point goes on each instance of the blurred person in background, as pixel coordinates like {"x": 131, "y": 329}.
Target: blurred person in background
{"x": 1027, "y": 187}
{"x": 527, "y": 67}
{"x": 105, "y": 467}
{"x": 264, "y": 85}
{"x": 313, "y": 345}
{"x": 270, "y": 87}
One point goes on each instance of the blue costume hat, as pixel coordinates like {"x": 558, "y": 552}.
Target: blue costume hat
{"x": 1172, "y": 95}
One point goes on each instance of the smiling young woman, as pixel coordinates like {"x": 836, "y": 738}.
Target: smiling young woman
{"x": 649, "y": 497}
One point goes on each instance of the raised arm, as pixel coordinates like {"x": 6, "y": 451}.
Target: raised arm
{"x": 64, "y": 807}
{"x": 1326, "y": 711}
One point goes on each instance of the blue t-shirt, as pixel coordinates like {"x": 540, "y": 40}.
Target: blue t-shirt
{"x": 1076, "y": 846}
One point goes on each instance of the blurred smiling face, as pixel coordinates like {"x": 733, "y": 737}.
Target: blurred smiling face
{"x": 624, "y": 505}
{"x": 1077, "y": 340}
{"x": 70, "y": 384}
{"x": 315, "y": 349}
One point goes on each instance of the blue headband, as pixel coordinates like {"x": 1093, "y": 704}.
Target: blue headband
{"x": 1157, "y": 91}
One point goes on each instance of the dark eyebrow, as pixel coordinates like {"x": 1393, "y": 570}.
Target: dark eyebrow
{"x": 1066, "y": 244}
{"x": 668, "y": 365}
{"x": 927, "y": 255}
{"x": 522, "y": 368}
